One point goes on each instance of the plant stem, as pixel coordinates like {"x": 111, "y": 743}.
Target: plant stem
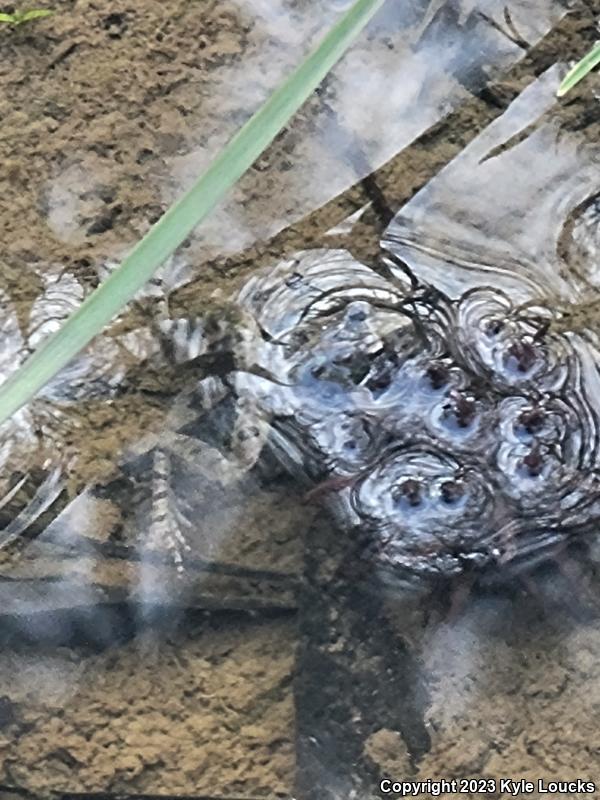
{"x": 580, "y": 70}
{"x": 177, "y": 223}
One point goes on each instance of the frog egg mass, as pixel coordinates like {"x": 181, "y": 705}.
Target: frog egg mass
{"x": 453, "y": 435}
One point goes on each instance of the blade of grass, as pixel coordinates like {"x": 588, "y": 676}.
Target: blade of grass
{"x": 580, "y": 70}
{"x": 35, "y": 13}
{"x": 183, "y": 216}
{"x": 20, "y": 17}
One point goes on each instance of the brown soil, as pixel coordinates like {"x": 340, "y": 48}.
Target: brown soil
{"x": 104, "y": 107}
{"x": 203, "y": 712}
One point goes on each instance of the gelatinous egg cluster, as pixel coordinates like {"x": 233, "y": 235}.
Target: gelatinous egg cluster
{"x": 457, "y": 434}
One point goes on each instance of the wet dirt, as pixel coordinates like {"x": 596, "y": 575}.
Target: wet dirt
{"x": 226, "y": 685}
{"x": 208, "y": 711}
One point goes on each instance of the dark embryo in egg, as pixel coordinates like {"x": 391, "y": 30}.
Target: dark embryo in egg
{"x": 454, "y": 435}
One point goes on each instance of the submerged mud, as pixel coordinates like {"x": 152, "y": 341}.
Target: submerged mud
{"x": 182, "y": 713}
{"x": 196, "y": 606}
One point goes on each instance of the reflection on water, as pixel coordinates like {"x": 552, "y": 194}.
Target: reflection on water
{"x": 529, "y": 175}
{"x": 208, "y": 597}
{"x": 417, "y": 62}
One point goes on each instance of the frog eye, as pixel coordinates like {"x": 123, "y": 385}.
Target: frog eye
{"x": 356, "y": 312}
{"x": 293, "y": 280}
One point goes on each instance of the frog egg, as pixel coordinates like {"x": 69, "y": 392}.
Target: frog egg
{"x": 422, "y": 507}
{"x": 548, "y": 421}
{"x": 546, "y": 454}
{"x": 346, "y": 442}
{"x": 437, "y": 376}
{"x": 392, "y": 382}
{"x": 462, "y": 419}
{"x": 315, "y": 286}
{"x": 546, "y": 490}
{"x": 509, "y": 346}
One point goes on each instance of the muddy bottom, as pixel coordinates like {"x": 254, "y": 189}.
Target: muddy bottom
{"x": 260, "y": 658}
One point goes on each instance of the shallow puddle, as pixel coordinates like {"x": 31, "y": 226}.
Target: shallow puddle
{"x": 319, "y": 508}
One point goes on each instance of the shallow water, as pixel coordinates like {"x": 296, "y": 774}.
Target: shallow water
{"x": 205, "y": 591}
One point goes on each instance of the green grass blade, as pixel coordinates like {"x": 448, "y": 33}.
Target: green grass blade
{"x": 35, "y": 13}
{"x": 178, "y": 222}
{"x": 580, "y": 70}
{"x": 7, "y": 18}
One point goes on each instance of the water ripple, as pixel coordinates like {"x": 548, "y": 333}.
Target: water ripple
{"x": 510, "y": 346}
{"x": 456, "y": 434}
